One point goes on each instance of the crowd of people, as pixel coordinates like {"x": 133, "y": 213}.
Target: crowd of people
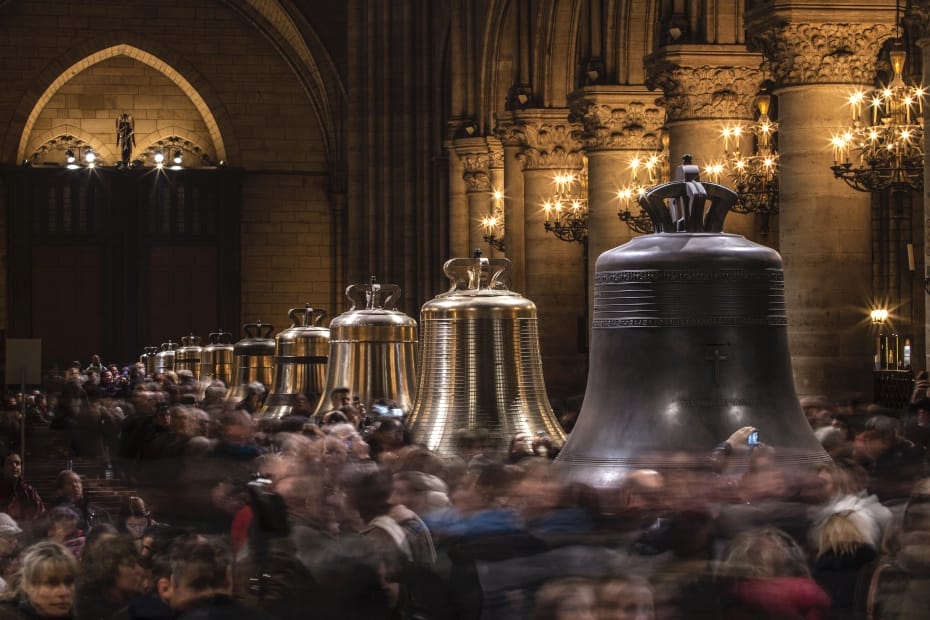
{"x": 343, "y": 516}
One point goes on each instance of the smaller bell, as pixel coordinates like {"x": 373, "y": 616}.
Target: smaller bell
{"x": 253, "y": 357}
{"x": 216, "y": 358}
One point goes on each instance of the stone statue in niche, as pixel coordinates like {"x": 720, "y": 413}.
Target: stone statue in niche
{"x": 125, "y": 137}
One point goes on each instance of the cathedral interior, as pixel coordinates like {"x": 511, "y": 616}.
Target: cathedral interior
{"x": 176, "y": 167}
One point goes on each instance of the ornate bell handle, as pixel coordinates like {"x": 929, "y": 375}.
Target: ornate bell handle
{"x": 373, "y": 296}
{"x": 318, "y": 315}
{"x": 151, "y": 350}
{"x": 477, "y": 273}
{"x": 298, "y": 316}
{"x": 220, "y": 337}
{"x": 257, "y": 330}
{"x": 185, "y": 341}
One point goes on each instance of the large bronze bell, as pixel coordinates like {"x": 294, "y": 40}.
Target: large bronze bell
{"x": 688, "y": 344}
{"x": 148, "y": 360}
{"x": 301, "y": 354}
{"x": 372, "y": 349}
{"x": 164, "y": 359}
{"x": 253, "y": 357}
{"x": 216, "y": 358}
{"x": 187, "y": 357}
{"x": 480, "y": 366}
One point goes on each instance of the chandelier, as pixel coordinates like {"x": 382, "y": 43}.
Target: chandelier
{"x": 754, "y": 177}
{"x": 566, "y": 211}
{"x": 493, "y": 222}
{"x": 883, "y": 146}
{"x": 654, "y": 170}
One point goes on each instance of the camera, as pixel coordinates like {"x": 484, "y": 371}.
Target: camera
{"x": 753, "y": 439}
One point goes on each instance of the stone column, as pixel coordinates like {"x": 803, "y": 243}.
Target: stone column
{"x": 920, "y": 16}
{"x": 512, "y": 141}
{"x": 476, "y": 159}
{"x": 497, "y": 185}
{"x": 458, "y": 204}
{"x": 706, "y": 88}
{"x": 620, "y": 122}
{"x": 554, "y": 269}
{"x": 825, "y": 230}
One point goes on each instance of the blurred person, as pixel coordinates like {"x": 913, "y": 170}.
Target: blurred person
{"x": 763, "y": 573}
{"x": 385, "y": 438}
{"x": 624, "y": 597}
{"x": 47, "y": 586}
{"x": 892, "y": 462}
{"x": 10, "y": 549}
{"x": 567, "y": 598}
{"x": 134, "y": 519}
{"x": 339, "y": 397}
{"x": 61, "y": 526}
{"x": 95, "y": 365}
{"x": 422, "y": 493}
{"x": 100, "y": 532}
{"x": 111, "y": 575}
{"x": 252, "y": 399}
{"x": 71, "y": 494}
{"x": 18, "y": 498}
{"x": 843, "y": 559}
{"x": 917, "y": 428}
{"x": 520, "y": 447}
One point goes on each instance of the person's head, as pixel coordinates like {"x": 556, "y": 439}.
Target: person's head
{"x": 62, "y": 524}
{"x": 13, "y": 466}
{"x": 624, "y": 597}
{"x": 113, "y": 568}
{"x": 521, "y": 444}
{"x": 49, "y": 572}
{"x": 99, "y": 532}
{"x": 340, "y": 397}
{"x": 567, "y": 598}
{"x": 418, "y": 491}
{"x": 163, "y": 415}
{"x": 763, "y": 553}
{"x": 839, "y": 534}
{"x": 69, "y": 485}
{"x": 872, "y": 443}
{"x": 236, "y": 426}
{"x": 370, "y": 493}
{"x": 135, "y": 517}
{"x": 199, "y": 570}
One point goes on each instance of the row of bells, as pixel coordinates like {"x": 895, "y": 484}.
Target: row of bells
{"x": 689, "y": 344}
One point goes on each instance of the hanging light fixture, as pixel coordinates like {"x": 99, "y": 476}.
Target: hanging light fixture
{"x": 645, "y": 172}
{"x": 493, "y": 222}
{"x": 754, "y": 177}
{"x": 883, "y": 146}
{"x": 566, "y": 211}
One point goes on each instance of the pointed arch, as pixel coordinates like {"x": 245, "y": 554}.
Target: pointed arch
{"x": 140, "y": 55}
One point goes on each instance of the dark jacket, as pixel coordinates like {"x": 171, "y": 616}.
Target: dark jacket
{"x": 22, "y": 610}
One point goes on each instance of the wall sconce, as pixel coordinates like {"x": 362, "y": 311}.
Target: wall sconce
{"x": 159, "y": 158}
{"x": 69, "y": 156}
{"x": 90, "y": 157}
{"x": 177, "y": 157}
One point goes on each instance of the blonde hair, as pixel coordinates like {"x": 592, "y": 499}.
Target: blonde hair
{"x": 839, "y": 534}
{"x": 44, "y": 559}
{"x": 761, "y": 553}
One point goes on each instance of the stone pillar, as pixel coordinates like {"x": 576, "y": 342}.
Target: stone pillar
{"x": 554, "y": 269}
{"x": 458, "y": 204}
{"x": 825, "y": 230}
{"x": 512, "y": 141}
{"x": 920, "y": 16}
{"x": 497, "y": 185}
{"x": 476, "y": 159}
{"x": 620, "y": 122}
{"x": 706, "y": 88}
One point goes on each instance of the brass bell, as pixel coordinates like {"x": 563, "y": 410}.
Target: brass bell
{"x": 480, "y": 365}
{"x": 187, "y": 357}
{"x": 301, "y": 354}
{"x": 253, "y": 357}
{"x": 164, "y": 359}
{"x": 148, "y": 360}
{"x": 689, "y": 344}
{"x": 372, "y": 349}
{"x": 216, "y": 358}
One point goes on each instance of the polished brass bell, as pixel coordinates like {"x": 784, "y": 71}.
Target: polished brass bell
{"x": 688, "y": 345}
{"x": 216, "y": 358}
{"x": 164, "y": 359}
{"x": 187, "y": 357}
{"x": 372, "y": 349}
{"x": 253, "y": 357}
{"x": 301, "y": 355}
{"x": 148, "y": 360}
{"x": 480, "y": 365}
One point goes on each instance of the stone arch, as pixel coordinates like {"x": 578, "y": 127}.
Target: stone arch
{"x": 122, "y": 49}
{"x": 104, "y": 152}
{"x": 556, "y": 51}
{"x": 493, "y": 90}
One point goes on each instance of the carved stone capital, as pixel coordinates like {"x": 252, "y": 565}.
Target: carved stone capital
{"x": 509, "y": 132}
{"x": 551, "y": 142}
{"x": 827, "y": 53}
{"x": 475, "y": 156}
{"x": 706, "y": 91}
{"x": 618, "y": 124}
{"x": 477, "y": 171}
